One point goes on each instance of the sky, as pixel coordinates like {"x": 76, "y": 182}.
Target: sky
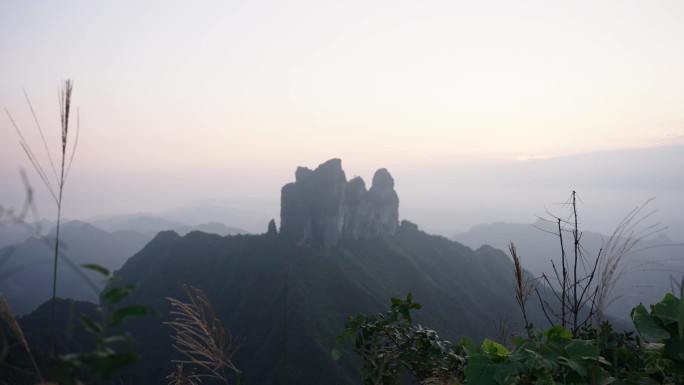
{"x": 182, "y": 102}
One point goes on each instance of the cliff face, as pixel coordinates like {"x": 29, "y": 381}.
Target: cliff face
{"x": 321, "y": 206}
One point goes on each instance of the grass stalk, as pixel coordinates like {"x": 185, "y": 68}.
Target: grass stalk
{"x": 7, "y": 315}
{"x": 200, "y": 338}
{"x": 621, "y": 243}
{"x": 523, "y": 287}
{"x": 56, "y": 189}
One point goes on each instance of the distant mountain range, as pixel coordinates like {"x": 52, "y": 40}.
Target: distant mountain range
{"x": 13, "y": 233}
{"x": 245, "y": 216}
{"x": 26, "y": 271}
{"x": 189, "y": 218}
{"x": 648, "y": 268}
{"x": 151, "y": 225}
{"x": 26, "y": 263}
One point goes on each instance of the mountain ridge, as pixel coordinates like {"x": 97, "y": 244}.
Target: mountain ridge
{"x": 285, "y": 298}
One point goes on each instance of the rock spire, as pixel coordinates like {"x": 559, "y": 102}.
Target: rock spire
{"x": 321, "y": 206}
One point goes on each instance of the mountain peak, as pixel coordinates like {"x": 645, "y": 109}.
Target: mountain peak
{"x": 321, "y": 206}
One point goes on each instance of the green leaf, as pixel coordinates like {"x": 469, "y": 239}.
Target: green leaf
{"x": 469, "y": 346}
{"x": 494, "y": 349}
{"x": 480, "y": 370}
{"x": 122, "y": 313}
{"x": 582, "y": 349}
{"x": 647, "y": 324}
{"x": 95, "y": 267}
{"x": 669, "y": 297}
{"x": 91, "y": 325}
{"x": 117, "y": 294}
{"x": 519, "y": 341}
{"x": 574, "y": 365}
{"x": 405, "y": 313}
{"x": 668, "y": 309}
{"x": 335, "y": 354}
{"x": 557, "y": 331}
{"x": 638, "y": 310}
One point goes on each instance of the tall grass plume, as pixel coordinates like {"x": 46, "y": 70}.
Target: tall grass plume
{"x": 201, "y": 339}
{"x": 54, "y": 183}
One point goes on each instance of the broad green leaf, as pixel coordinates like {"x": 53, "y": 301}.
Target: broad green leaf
{"x": 669, "y": 297}
{"x": 574, "y": 365}
{"x": 519, "y": 341}
{"x": 504, "y": 370}
{"x": 647, "y": 324}
{"x": 335, "y": 354}
{"x": 469, "y": 346}
{"x": 480, "y": 370}
{"x": 551, "y": 350}
{"x": 601, "y": 377}
{"x": 95, "y": 267}
{"x": 638, "y": 310}
{"x": 494, "y": 349}
{"x": 668, "y": 309}
{"x": 582, "y": 349}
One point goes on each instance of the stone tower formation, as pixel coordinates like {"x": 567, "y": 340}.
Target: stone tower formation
{"x": 321, "y": 206}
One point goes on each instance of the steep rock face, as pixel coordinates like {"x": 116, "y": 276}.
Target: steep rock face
{"x": 358, "y": 210}
{"x": 321, "y": 206}
{"x": 385, "y": 203}
{"x": 295, "y": 219}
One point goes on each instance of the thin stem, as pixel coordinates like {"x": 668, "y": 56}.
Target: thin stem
{"x": 565, "y": 273}
{"x": 40, "y": 130}
{"x": 575, "y": 233}
{"x": 53, "y": 333}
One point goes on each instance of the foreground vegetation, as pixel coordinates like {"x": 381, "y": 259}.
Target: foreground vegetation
{"x": 578, "y": 347}
{"x": 392, "y": 347}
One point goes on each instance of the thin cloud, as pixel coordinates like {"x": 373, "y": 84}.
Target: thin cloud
{"x": 527, "y": 158}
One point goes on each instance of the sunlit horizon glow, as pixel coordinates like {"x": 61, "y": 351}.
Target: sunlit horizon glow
{"x": 173, "y": 93}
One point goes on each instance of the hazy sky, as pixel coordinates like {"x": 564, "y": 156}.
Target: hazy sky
{"x": 183, "y": 101}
